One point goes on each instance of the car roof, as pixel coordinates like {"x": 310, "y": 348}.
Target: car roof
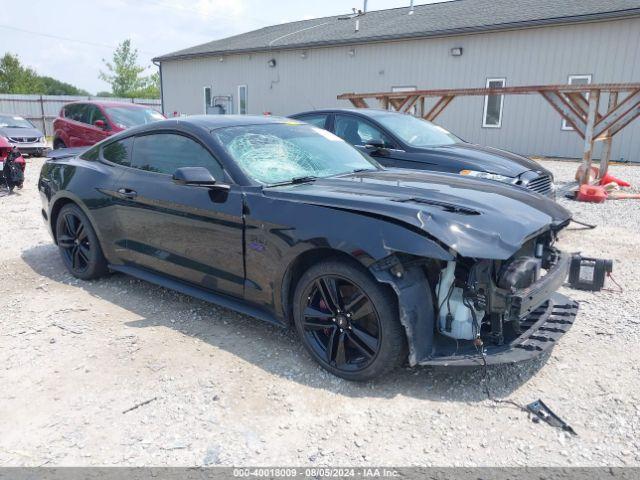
{"x": 219, "y": 121}
{"x": 208, "y": 122}
{"x": 108, "y": 104}
{"x": 365, "y": 112}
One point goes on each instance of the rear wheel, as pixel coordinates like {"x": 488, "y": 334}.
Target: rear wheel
{"x": 78, "y": 244}
{"x": 348, "y": 322}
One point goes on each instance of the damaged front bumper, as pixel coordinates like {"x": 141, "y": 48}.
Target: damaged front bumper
{"x": 541, "y": 329}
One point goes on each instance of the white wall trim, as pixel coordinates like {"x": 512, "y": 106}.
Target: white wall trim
{"x": 583, "y": 76}
{"x": 486, "y": 103}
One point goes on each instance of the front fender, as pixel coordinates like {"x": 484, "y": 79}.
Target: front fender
{"x": 279, "y": 232}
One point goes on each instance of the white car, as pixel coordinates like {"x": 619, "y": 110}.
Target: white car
{"x": 21, "y": 133}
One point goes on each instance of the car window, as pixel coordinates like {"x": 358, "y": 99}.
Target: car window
{"x": 415, "y": 131}
{"x": 166, "y": 152}
{"x": 92, "y": 154}
{"x": 14, "y": 121}
{"x": 118, "y": 152}
{"x": 358, "y": 131}
{"x": 94, "y": 114}
{"x": 75, "y": 112}
{"x": 317, "y": 120}
{"x": 126, "y": 116}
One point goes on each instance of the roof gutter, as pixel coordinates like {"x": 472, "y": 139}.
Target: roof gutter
{"x": 619, "y": 14}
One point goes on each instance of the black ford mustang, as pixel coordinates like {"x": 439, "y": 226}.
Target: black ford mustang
{"x": 402, "y": 141}
{"x": 287, "y": 222}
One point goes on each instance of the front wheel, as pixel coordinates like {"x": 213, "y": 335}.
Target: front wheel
{"x": 78, "y": 244}
{"x": 348, "y": 322}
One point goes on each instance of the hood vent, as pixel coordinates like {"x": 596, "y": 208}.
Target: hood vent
{"x": 447, "y": 207}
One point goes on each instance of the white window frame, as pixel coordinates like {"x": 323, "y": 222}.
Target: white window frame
{"x": 486, "y": 103}
{"x": 565, "y": 126}
{"x": 406, "y": 88}
{"x": 246, "y": 100}
{"x": 204, "y": 97}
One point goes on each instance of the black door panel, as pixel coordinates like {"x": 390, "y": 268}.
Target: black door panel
{"x": 191, "y": 233}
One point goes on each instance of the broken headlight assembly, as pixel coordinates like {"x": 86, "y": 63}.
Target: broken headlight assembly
{"x": 487, "y": 299}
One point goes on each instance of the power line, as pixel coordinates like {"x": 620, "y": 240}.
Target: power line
{"x": 65, "y": 39}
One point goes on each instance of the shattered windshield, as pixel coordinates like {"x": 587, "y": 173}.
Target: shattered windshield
{"x": 417, "y": 132}
{"x": 283, "y": 152}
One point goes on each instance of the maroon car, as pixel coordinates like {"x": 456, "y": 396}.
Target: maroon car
{"x": 82, "y": 124}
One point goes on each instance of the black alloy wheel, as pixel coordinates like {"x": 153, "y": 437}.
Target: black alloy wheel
{"x": 78, "y": 244}
{"x": 348, "y": 322}
{"x": 341, "y": 323}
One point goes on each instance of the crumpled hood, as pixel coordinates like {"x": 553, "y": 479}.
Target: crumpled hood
{"x": 476, "y": 218}
{"x": 20, "y": 132}
{"x": 486, "y": 159}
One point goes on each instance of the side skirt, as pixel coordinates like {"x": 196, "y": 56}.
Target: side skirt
{"x": 199, "y": 293}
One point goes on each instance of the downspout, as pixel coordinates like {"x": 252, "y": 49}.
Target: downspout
{"x": 159, "y": 65}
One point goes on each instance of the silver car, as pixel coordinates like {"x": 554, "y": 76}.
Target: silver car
{"x": 21, "y": 133}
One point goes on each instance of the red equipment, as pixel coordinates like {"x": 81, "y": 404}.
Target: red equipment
{"x": 608, "y": 178}
{"x": 5, "y": 148}
{"x": 591, "y": 193}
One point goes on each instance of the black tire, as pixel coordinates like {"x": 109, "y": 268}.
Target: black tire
{"x": 365, "y": 339}
{"x": 57, "y": 144}
{"x": 78, "y": 244}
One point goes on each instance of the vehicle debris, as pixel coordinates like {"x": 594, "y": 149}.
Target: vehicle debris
{"x": 543, "y": 412}
{"x": 141, "y": 404}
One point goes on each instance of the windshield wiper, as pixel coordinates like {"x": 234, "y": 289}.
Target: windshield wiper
{"x": 358, "y": 170}
{"x": 295, "y": 180}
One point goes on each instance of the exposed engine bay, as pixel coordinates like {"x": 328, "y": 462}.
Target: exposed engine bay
{"x": 486, "y": 299}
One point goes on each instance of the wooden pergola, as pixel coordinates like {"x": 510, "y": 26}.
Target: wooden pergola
{"x": 579, "y": 105}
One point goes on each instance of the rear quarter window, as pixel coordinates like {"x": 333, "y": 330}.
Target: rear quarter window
{"x": 118, "y": 152}
{"x": 91, "y": 155}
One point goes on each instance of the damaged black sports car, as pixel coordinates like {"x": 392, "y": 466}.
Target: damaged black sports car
{"x": 288, "y": 223}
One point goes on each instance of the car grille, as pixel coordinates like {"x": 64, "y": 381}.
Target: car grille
{"x": 541, "y": 184}
{"x": 23, "y": 139}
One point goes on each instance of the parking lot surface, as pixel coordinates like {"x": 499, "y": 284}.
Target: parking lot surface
{"x": 225, "y": 389}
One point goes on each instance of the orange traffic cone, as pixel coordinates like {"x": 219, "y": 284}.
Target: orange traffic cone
{"x": 608, "y": 178}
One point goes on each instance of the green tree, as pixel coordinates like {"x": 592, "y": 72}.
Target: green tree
{"x": 125, "y": 75}
{"x": 15, "y": 78}
{"x": 51, "y": 86}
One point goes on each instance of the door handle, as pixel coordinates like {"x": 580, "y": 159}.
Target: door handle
{"x": 127, "y": 193}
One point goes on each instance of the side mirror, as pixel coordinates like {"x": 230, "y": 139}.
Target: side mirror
{"x": 100, "y": 124}
{"x": 196, "y": 177}
{"x": 374, "y": 144}
{"x": 377, "y": 146}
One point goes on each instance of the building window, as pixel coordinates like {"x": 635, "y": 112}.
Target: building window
{"x": 576, "y": 80}
{"x": 242, "y": 99}
{"x": 207, "y": 99}
{"x": 492, "y": 115}
{"x": 414, "y": 108}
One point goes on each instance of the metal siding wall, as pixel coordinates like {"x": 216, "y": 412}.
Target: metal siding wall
{"x": 31, "y": 106}
{"x": 610, "y": 51}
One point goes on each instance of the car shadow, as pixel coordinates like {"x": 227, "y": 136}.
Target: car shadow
{"x": 275, "y": 350}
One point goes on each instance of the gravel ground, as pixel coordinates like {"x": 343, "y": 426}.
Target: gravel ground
{"x": 230, "y": 390}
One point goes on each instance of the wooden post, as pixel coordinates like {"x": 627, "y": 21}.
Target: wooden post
{"x": 594, "y": 98}
{"x": 606, "y": 148}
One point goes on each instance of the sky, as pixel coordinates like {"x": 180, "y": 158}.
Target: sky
{"x": 68, "y": 39}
